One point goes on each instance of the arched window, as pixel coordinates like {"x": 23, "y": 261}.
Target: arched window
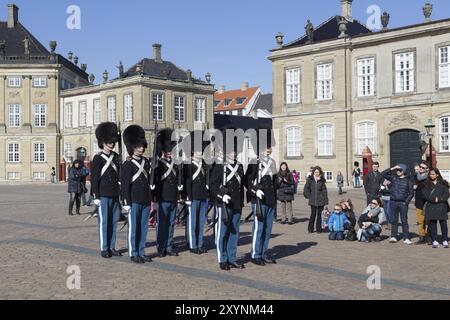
{"x": 366, "y": 136}
{"x": 325, "y": 140}
{"x": 294, "y": 142}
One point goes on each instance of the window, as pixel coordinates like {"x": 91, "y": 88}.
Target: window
{"x": 325, "y": 140}
{"x": 293, "y": 86}
{"x": 404, "y": 70}
{"x": 179, "y": 109}
{"x": 240, "y": 113}
{"x": 39, "y": 152}
{"x": 69, "y": 115}
{"x": 444, "y": 133}
{"x": 14, "y": 82}
{"x": 446, "y": 175}
{"x": 158, "y": 107}
{"x": 13, "y": 175}
{"x": 240, "y": 101}
{"x": 444, "y": 68}
{"x": 40, "y": 115}
{"x": 324, "y": 81}
{"x": 200, "y": 109}
{"x": 112, "y": 109}
{"x": 97, "y": 112}
{"x": 14, "y": 115}
{"x": 38, "y": 175}
{"x": 83, "y": 113}
{"x": 39, "y": 82}
{"x": 328, "y": 176}
{"x": 366, "y": 133}
{"x": 228, "y": 102}
{"x": 128, "y": 104}
{"x": 13, "y": 153}
{"x": 293, "y": 139}
{"x": 366, "y": 77}
{"x": 68, "y": 150}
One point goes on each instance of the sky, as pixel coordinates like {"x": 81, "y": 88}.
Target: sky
{"x": 230, "y": 39}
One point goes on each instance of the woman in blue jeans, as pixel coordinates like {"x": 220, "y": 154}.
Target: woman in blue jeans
{"x": 369, "y": 221}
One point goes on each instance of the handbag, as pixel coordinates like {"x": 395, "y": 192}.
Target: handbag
{"x": 289, "y": 190}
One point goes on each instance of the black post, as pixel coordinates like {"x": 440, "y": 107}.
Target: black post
{"x": 431, "y": 153}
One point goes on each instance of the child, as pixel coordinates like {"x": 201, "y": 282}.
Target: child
{"x": 336, "y": 223}
{"x": 325, "y": 217}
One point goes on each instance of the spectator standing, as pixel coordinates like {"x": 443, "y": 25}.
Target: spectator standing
{"x": 357, "y": 175}
{"x": 373, "y": 182}
{"x": 296, "y": 176}
{"x": 285, "y": 193}
{"x": 386, "y": 198}
{"x": 340, "y": 182}
{"x": 316, "y": 192}
{"x": 402, "y": 193}
{"x": 53, "y": 175}
{"x": 420, "y": 180}
{"x": 75, "y": 186}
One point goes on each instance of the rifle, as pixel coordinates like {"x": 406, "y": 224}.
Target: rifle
{"x": 258, "y": 210}
{"x": 154, "y": 162}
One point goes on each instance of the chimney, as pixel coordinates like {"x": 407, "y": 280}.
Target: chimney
{"x": 157, "y": 53}
{"x": 244, "y": 86}
{"x": 221, "y": 89}
{"x": 13, "y": 15}
{"x": 346, "y": 9}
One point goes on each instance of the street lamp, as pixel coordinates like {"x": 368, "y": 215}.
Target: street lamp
{"x": 430, "y": 134}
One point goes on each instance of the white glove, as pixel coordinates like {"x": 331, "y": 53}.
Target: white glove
{"x": 97, "y": 202}
{"x": 127, "y": 209}
{"x": 260, "y": 194}
{"x": 226, "y": 199}
{"x": 180, "y": 188}
{"x": 207, "y": 187}
{"x": 383, "y": 188}
{"x": 152, "y": 187}
{"x": 188, "y": 203}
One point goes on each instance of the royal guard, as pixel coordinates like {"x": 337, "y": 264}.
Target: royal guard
{"x": 261, "y": 185}
{"x": 169, "y": 185}
{"x": 227, "y": 186}
{"x": 136, "y": 193}
{"x": 197, "y": 191}
{"x": 106, "y": 188}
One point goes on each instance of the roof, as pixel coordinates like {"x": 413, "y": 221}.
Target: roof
{"x": 15, "y": 49}
{"x": 329, "y": 30}
{"x": 264, "y": 102}
{"x": 245, "y": 123}
{"x": 233, "y": 95}
{"x": 164, "y": 70}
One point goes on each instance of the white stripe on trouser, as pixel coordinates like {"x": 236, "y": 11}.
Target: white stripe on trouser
{"x": 191, "y": 240}
{"x": 130, "y": 229}
{"x": 218, "y": 223}
{"x": 255, "y": 235}
{"x": 101, "y": 226}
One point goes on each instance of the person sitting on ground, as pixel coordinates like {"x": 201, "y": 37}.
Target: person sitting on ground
{"x": 336, "y": 224}
{"x": 369, "y": 221}
{"x": 347, "y": 208}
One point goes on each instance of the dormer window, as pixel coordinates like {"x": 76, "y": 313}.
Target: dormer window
{"x": 228, "y": 102}
{"x": 240, "y": 101}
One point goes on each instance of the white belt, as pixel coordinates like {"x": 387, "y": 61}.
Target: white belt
{"x": 233, "y": 173}
{"x": 141, "y": 170}
{"x": 109, "y": 163}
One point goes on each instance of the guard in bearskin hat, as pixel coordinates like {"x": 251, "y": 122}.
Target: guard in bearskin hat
{"x": 227, "y": 186}
{"x": 136, "y": 193}
{"x": 169, "y": 185}
{"x": 261, "y": 185}
{"x": 106, "y": 188}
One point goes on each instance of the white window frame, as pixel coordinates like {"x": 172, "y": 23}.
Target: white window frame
{"x": 14, "y": 81}
{"x": 14, "y": 115}
{"x": 200, "y": 109}
{"x": 444, "y": 135}
{"x": 293, "y": 86}
{"x": 112, "y": 108}
{"x": 293, "y": 141}
{"x": 13, "y": 155}
{"x": 40, "y": 115}
{"x": 366, "y": 77}
{"x": 158, "y": 106}
{"x": 39, "y": 176}
{"x": 445, "y": 174}
{"x": 128, "y": 107}
{"x": 40, "y": 82}
{"x": 97, "y": 112}
{"x": 68, "y": 115}
{"x": 82, "y": 109}
{"x": 13, "y": 175}
{"x": 39, "y": 152}
{"x": 325, "y": 145}
{"x": 444, "y": 67}
{"x": 405, "y": 72}
{"x": 67, "y": 150}
{"x": 180, "y": 108}
{"x": 324, "y": 81}
{"x": 363, "y": 139}
{"x": 326, "y": 173}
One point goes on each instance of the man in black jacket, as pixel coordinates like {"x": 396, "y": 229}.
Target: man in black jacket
{"x": 402, "y": 193}
{"x": 373, "y": 182}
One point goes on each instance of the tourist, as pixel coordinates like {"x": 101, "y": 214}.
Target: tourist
{"x": 285, "y": 193}
{"x": 316, "y": 192}
{"x": 336, "y": 224}
{"x": 340, "y": 182}
{"x": 370, "y": 221}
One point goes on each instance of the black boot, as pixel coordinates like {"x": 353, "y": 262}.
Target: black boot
{"x": 258, "y": 262}
{"x": 147, "y": 259}
{"x": 115, "y": 253}
{"x": 106, "y": 254}
{"x": 136, "y": 260}
{"x": 172, "y": 253}
{"x": 269, "y": 261}
{"x": 224, "y": 266}
{"x": 235, "y": 265}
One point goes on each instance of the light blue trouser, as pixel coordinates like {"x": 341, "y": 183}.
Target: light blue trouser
{"x": 108, "y": 217}
{"x": 138, "y": 229}
{"x": 227, "y": 236}
{"x": 262, "y": 231}
{"x": 167, "y": 214}
{"x": 196, "y": 223}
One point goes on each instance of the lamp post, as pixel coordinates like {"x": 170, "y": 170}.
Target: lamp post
{"x": 430, "y": 133}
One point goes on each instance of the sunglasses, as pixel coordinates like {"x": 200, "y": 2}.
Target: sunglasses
{"x": 375, "y": 203}
{"x": 424, "y": 168}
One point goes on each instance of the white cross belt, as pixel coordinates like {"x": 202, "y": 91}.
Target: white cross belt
{"x": 141, "y": 170}
{"x": 109, "y": 163}
{"x": 233, "y": 173}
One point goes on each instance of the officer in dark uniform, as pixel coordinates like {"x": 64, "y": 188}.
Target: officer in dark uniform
{"x": 105, "y": 187}
{"x": 261, "y": 185}
{"x": 136, "y": 194}
{"x": 227, "y": 184}
{"x": 168, "y": 189}
{"x": 197, "y": 191}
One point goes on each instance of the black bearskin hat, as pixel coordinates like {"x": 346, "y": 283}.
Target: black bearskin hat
{"x": 134, "y": 136}
{"x": 164, "y": 141}
{"x": 106, "y": 132}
